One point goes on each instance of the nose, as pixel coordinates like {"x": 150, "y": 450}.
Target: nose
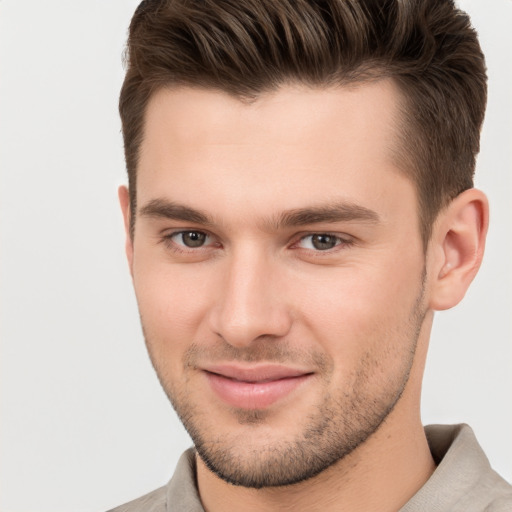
{"x": 251, "y": 303}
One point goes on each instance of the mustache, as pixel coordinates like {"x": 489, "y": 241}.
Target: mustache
{"x": 260, "y": 351}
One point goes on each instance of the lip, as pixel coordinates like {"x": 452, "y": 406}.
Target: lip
{"x": 255, "y": 387}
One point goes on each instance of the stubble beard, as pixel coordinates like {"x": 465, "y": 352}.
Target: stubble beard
{"x": 335, "y": 429}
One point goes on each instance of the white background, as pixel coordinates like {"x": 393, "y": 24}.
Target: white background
{"x": 84, "y": 424}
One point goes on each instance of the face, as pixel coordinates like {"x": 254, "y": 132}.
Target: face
{"x": 279, "y": 272}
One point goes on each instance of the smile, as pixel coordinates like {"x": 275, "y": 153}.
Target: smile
{"x": 254, "y": 388}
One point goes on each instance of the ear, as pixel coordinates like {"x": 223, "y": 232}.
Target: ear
{"x": 124, "y": 201}
{"x": 457, "y": 247}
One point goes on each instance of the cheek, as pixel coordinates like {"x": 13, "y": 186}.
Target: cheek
{"x": 355, "y": 311}
{"x": 172, "y": 303}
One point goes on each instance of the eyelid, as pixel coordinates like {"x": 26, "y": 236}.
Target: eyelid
{"x": 168, "y": 232}
{"x": 167, "y": 238}
{"x": 185, "y": 231}
{"x": 343, "y": 240}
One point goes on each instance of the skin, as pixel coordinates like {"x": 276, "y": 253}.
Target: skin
{"x": 355, "y": 318}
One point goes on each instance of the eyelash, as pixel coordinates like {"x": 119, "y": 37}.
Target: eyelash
{"x": 182, "y": 249}
{"x": 341, "y": 243}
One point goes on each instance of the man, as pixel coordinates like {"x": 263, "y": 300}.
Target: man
{"x": 300, "y": 202}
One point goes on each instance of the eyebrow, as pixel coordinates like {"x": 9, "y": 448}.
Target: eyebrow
{"x": 330, "y": 213}
{"x": 161, "y": 208}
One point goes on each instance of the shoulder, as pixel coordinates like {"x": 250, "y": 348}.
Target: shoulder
{"x": 464, "y": 480}
{"x": 155, "y": 501}
{"x": 500, "y": 495}
{"x": 179, "y": 494}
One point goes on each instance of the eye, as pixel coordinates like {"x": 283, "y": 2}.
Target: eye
{"x": 190, "y": 239}
{"x": 320, "y": 242}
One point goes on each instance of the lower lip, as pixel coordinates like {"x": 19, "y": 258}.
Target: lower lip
{"x": 253, "y": 395}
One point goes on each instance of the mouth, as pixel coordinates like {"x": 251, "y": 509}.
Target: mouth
{"x": 255, "y": 387}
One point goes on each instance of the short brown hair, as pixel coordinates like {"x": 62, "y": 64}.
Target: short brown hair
{"x": 247, "y": 47}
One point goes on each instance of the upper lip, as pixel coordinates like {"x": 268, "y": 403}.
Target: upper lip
{"x": 255, "y": 373}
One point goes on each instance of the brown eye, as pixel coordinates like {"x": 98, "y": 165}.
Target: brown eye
{"x": 323, "y": 242}
{"x": 191, "y": 239}
{"x": 320, "y": 242}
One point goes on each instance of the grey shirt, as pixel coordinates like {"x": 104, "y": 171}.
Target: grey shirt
{"x": 462, "y": 482}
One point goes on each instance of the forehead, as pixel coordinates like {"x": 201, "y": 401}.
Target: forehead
{"x": 294, "y": 145}
{"x": 192, "y": 115}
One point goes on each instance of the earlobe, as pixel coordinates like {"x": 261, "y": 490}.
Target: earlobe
{"x": 458, "y": 241}
{"x": 124, "y": 201}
